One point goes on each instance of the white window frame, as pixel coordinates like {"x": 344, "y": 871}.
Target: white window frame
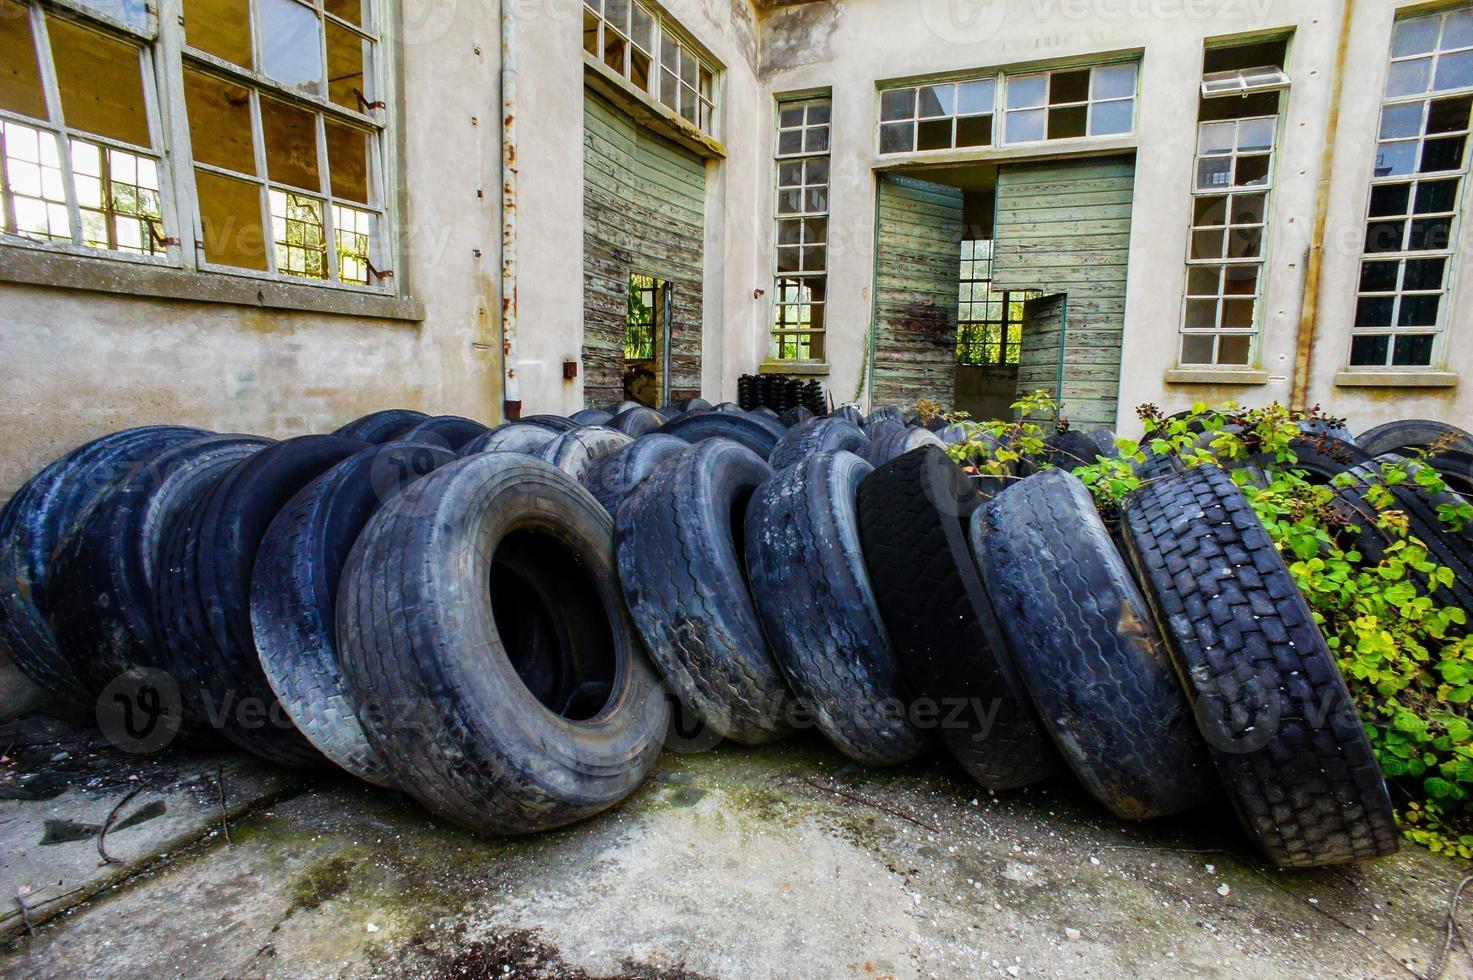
{"x": 800, "y": 279}
{"x": 668, "y": 41}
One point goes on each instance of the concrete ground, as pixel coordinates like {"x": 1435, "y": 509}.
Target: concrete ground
{"x": 773, "y": 862}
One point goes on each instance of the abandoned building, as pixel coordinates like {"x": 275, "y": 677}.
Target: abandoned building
{"x": 275, "y": 215}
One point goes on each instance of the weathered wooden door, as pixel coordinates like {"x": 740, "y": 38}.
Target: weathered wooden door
{"x": 917, "y": 263}
{"x": 644, "y": 202}
{"x": 1064, "y": 227}
{"x": 1041, "y": 360}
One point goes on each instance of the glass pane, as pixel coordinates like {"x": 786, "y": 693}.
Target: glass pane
{"x": 1413, "y": 351}
{"x": 1419, "y": 311}
{"x": 219, "y": 122}
{"x": 1237, "y": 314}
{"x": 1448, "y": 116}
{"x": 814, "y": 258}
{"x": 1457, "y": 30}
{"x": 936, "y": 100}
{"x": 221, "y": 27}
{"x": 101, "y": 83}
{"x": 1214, "y": 173}
{"x": 1113, "y": 82}
{"x": 789, "y": 232}
{"x": 977, "y": 97}
{"x": 1256, "y": 135}
{"x": 1395, "y": 159}
{"x": 590, "y": 31}
{"x": 1424, "y": 273}
{"x": 974, "y": 131}
{"x": 642, "y": 28}
{"x": 787, "y": 259}
{"x": 818, "y": 113}
{"x": 789, "y": 174}
{"x": 1215, "y": 139}
{"x": 1249, "y": 209}
{"x": 347, "y": 61}
{"x": 1201, "y": 314}
{"x": 1453, "y": 71}
{"x": 1374, "y": 311}
{"x": 1203, "y": 280}
{"x": 1234, "y": 350}
{"x": 296, "y": 224}
{"x": 640, "y": 67}
{"x": 1379, "y": 277}
{"x": 1390, "y": 200}
{"x": 1197, "y": 349}
{"x": 1430, "y": 235}
{"x": 134, "y": 13}
{"x": 1067, "y": 87}
{"x": 789, "y": 142}
{"x": 1442, "y": 155}
{"x": 1208, "y": 245}
{"x": 816, "y": 172}
{"x": 789, "y": 118}
{"x": 1369, "y": 351}
{"x": 1400, "y": 121}
{"x": 230, "y": 212}
{"x": 1415, "y": 36}
{"x": 291, "y": 144}
{"x": 1027, "y": 126}
{"x": 1409, "y": 78}
{"x": 1241, "y": 280}
{"x": 21, "y": 91}
{"x": 1210, "y": 211}
{"x": 1245, "y": 243}
{"x": 815, "y": 230}
{"x": 291, "y": 42}
{"x": 933, "y": 134}
{"x": 689, "y": 68}
{"x": 1027, "y": 92}
{"x": 347, "y": 161}
{"x": 1437, "y": 196}
{"x": 1386, "y": 236}
{"x": 897, "y": 137}
{"x": 616, "y": 49}
{"x": 1112, "y": 118}
{"x": 897, "y": 104}
{"x": 816, "y": 139}
{"x": 616, "y": 12}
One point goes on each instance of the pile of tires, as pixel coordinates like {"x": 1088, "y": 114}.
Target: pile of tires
{"x": 502, "y": 621}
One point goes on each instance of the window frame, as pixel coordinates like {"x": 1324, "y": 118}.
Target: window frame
{"x": 779, "y": 331}
{"x": 664, "y": 30}
{"x": 965, "y": 326}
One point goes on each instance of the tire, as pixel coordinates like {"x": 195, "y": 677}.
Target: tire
{"x": 577, "y": 452}
{"x": 36, "y": 519}
{"x": 1321, "y": 458}
{"x": 1413, "y": 434}
{"x": 886, "y": 412}
{"x": 294, "y": 588}
{"x": 821, "y": 435}
{"x": 952, "y": 652}
{"x": 1269, "y": 697}
{"x": 757, "y": 434}
{"x": 514, "y": 437}
{"x": 848, "y": 412}
{"x": 1104, "y": 443}
{"x": 615, "y": 409}
{"x": 615, "y": 476}
{"x": 381, "y": 427}
{"x": 897, "y": 444}
{"x": 636, "y": 422}
{"x": 1070, "y": 450}
{"x": 510, "y": 710}
{"x": 1457, "y": 471}
{"x": 814, "y": 598}
{"x": 765, "y": 412}
{"x": 202, "y": 601}
{"x": 445, "y": 432}
{"x": 554, "y": 422}
{"x": 1083, "y": 640}
{"x": 591, "y": 416}
{"x": 105, "y": 570}
{"x": 680, "y": 539}
{"x": 794, "y": 417}
{"x": 691, "y": 405}
{"x": 731, "y": 408}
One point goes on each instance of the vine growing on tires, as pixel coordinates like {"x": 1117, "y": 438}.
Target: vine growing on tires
{"x": 1406, "y": 656}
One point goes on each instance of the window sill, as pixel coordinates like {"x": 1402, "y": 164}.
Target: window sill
{"x": 814, "y": 368}
{"x": 100, "y": 274}
{"x": 1396, "y": 379}
{"x": 1208, "y": 376}
{"x": 649, "y": 113}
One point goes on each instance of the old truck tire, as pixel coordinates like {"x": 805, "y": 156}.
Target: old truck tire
{"x": 1413, "y": 434}
{"x": 890, "y": 412}
{"x": 896, "y": 444}
{"x": 591, "y": 416}
{"x": 758, "y": 434}
{"x": 1082, "y": 638}
{"x": 616, "y": 475}
{"x": 820, "y": 435}
{"x": 36, "y": 519}
{"x": 380, "y": 427}
{"x": 510, "y": 709}
{"x": 795, "y": 416}
{"x": 680, "y": 541}
{"x": 636, "y": 422}
{"x": 202, "y": 604}
{"x": 515, "y": 437}
{"x": 578, "y": 451}
{"x": 444, "y": 431}
{"x": 952, "y": 652}
{"x": 1268, "y": 694}
{"x": 813, "y": 594}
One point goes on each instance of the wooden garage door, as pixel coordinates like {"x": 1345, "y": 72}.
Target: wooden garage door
{"x": 643, "y": 214}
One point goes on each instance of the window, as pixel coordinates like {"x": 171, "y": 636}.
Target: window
{"x": 989, "y": 322}
{"x": 801, "y": 265}
{"x": 1416, "y": 192}
{"x": 641, "y": 322}
{"x": 640, "y": 45}
{"x": 1082, "y": 102}
{"x": 1243, "y": 81}
{"x": 280, "y": 172}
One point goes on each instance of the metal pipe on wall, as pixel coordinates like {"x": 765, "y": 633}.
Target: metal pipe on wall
{"x": 511, "y": 382}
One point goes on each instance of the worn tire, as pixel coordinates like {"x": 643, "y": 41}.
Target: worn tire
{"x": 578, "y": 451}
{"x": 897, "y": 444}
{"x": 1457, "y": 471}
{"x": 36, "y": 519}
{"x": 1413, "y": 434}
{"x": 680, "y": 540}
{"x": 848, "y": 412}
{"x": 510, "y": 710}
{"x": 795, "y": 416}
{"x": 615, "y": 476}
{"x": 202, "y": 602}
{"x": 686, "y": 405}
{"x": 885, "y": 412}
{"x": 951, "y": 650}
{"x": 556, "y": 423}
{"x": 1081, "y": 636}
{"x": 591, "y": 416}
{"x": 758, "y": 434}
{"x": 514, "y": 437}
{"x": 381, "y": 427}
{"x": 813, "y": 594}
{"x": 444, "y": 432}
{"x": 1269, "y": 697}
{"x": 820, "y": 435}
{"x": 1070, "y": 450}
{"x": 636, "y": 422}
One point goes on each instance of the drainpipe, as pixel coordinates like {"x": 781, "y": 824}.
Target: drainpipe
{"x": 510, "y": 381}
{"x": 1314, "y": 274}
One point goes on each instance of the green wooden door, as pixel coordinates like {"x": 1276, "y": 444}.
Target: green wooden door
{"x": 917, "y": 263}
{"x": 1064, "y": 227}
{"x": 644, "y": 204}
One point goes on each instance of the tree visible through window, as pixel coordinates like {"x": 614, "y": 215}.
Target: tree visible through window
{"x": 989, "y": 322}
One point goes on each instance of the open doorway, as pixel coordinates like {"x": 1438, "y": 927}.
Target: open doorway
{"x": 647, "y": 341}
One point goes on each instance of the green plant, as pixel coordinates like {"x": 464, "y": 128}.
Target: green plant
{"x": 1405, "y": 655}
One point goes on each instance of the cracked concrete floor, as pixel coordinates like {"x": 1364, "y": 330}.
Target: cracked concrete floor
{"x": 773, "y": 862}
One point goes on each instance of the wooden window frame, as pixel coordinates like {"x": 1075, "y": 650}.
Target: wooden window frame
{"x": 667, "y": 39}
{"x": 792, "y": 341}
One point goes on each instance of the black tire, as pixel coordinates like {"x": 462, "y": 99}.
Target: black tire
{"x": 617, "y": 475}
{"x": 1104, "y": 442}
{"x": 757, "y": 434}
{"x": 821, "y": 435}
{"x": 952, "y": 652}
{"x": 444, "y": 432}
{"x": 202, "y": 601}
{"x": 818, "y": 609}
{"x": 294, "y": 589}
{"x": 1457, "y": 471}
{"x": 697, "y": 404}
{"x": 765, "y": 412}
{"x": 1081, "y": 636}
{"x": 636, "y": 422}
{"x": 730, "y": 408}
{"x": 510, "y": 710}
{"x": 897, "y": 444}
{"x": 885, "y": 412}
{"x": 514, "y": 437}
{"x": 680, "y": 542}
{"x": 1413, "y": 434}
{"x": 1067, "y": 451}
{"x": 591, "y": 416}
{"x": 105, "y": 569}
{"x": 795, "y": 416}
{"x": 849, "y": 412}
{"x": 36, "y": 519}
{"x": 554, "y": 422}
{"x": 615, "y": 409}
{"x": 1320, "y": 458}
{"x": 381, "y": 427}
{"x": 1269, "y": 697}
{"x": 578, "y": 451}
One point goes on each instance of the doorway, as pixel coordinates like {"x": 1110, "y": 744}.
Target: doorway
{"x": 647, "y": 341}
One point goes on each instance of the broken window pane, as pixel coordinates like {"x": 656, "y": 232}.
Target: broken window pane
{"x": 1067, "y": 87}
{"x": 291, "y": 44}
{"x": 349, "y": 10}
{"x": 296, "y": 228}
{"x": 590, "y": 32}
{"x": 347, "y": 63}
{"x": 219, "y": 122}
{"x": 20, "y": 77}
{"x": 101, "y": 82}
{"x": 347, "y": 161}
{"x": 221, "y": 27}
{"x": 118, "y": 193}
{"x": 230, "y": 216}
{"x": 291, "y": 144}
